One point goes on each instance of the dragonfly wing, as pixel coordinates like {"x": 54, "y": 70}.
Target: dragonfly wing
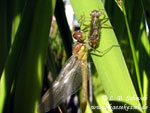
{"x": 67, "y": 83}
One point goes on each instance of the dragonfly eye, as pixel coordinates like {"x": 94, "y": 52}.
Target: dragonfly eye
{"x": 79, "y": 35}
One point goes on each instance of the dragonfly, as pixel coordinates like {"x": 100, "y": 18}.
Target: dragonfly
{"x": 71, "y": 77}
{"x": 74, "y": 73}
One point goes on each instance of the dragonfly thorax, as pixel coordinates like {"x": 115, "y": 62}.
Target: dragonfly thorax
{"x": 80, "y": 51}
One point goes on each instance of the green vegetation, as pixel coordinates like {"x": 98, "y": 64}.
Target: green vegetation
{"x": 28, "y": 54}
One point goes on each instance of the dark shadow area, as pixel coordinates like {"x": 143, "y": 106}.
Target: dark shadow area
{"x": 144, "y": 65}
{"x": 63, "y": 27}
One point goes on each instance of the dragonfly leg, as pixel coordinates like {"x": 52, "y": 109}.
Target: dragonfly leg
{"x": 103, "y": 21}
{"x": 82, "y": 21}
{"x": 85, "y": 29}
{"x": 105, "y": 51}
{"x": 83, "y": 17}
{"x": 107, "y": 26}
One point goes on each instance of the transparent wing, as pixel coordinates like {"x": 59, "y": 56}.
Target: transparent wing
{"x": 67, "y": 83}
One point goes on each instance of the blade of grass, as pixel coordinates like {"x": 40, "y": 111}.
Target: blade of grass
{"x": 133, "y": 51}
{"x": 143, "y": 55}
{"x": 12, "y": 60}
{"x": 27, "y": 58}
{"x": 110, "y": 67}
{"x": 31, "y": 68}
{"x": 137, "y": 18}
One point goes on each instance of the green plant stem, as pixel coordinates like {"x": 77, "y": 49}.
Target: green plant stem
{"x": 133, "y": 53}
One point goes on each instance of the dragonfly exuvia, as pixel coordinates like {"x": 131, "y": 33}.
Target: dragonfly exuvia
{"x": 95, "y": 25}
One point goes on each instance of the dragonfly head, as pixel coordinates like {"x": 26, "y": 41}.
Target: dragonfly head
{"x": 79, "y": 36}
{"x": 95, "y": 13}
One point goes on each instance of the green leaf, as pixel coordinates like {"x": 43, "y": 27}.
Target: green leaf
{"x": 22, "y": 77}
